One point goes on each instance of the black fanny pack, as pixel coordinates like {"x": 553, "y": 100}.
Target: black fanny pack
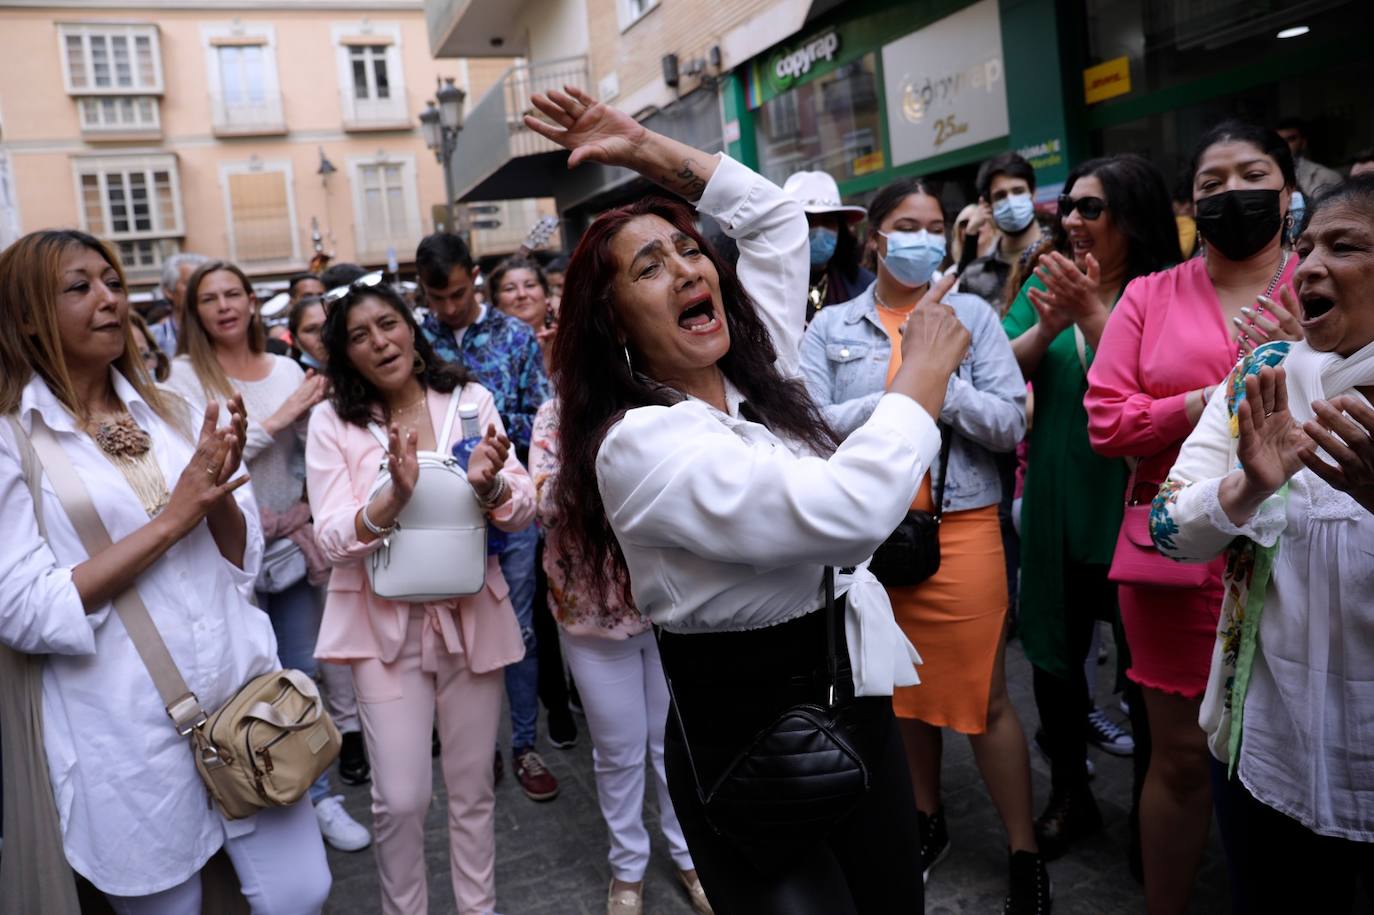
{"x": 911, "y": 553}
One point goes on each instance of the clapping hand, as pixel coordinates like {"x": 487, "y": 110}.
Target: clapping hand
{"x": 1272, "y": 447}
{"x": 1070, "y": 294}
{"x": 402, "y": 462}
{"x": 1281, "y": 323}
{"x": 1342, "y": 428}
{"x": 592, "y": 131}
{"x": 209, "y": 475}
{"x": 487, "y": 460}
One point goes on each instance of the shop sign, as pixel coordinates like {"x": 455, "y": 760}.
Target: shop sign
{"x": 1043, "y": 155}
{"x": 1107, "y": 80}
{"x": 945, "y": 86}
{"x": 868, "y": 164}
{"x": 794, "y": 63}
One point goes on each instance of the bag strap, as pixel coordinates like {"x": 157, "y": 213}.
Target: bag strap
{"x": 181, "y": 704}
{"x": 946, "y": 441}
{"x": 832, "y": 668}
{"x": 1080, "y": 343}
{"x": 32, "y": 470}
{"x": 441, "y": 445}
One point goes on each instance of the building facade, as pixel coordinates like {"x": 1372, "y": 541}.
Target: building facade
{"x": 870, "y": 90}
{"x": 233, "y": 128}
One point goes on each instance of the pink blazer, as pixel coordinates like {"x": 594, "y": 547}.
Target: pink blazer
{"x": 342, "y": 462}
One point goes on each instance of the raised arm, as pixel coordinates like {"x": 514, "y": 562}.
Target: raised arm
{"x": 769, "y": 226}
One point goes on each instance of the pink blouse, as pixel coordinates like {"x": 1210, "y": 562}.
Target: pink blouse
{"x": 570, "y": 607}
{"x": 342, "y": 461}
{"x": 1166, "y": 337}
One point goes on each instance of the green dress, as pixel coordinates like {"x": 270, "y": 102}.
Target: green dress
{"x": 1072, "y": 503}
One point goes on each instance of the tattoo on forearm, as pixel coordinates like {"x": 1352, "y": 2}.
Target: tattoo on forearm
{"x": 685, "y": 180}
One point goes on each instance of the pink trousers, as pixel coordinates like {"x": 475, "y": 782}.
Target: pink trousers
{"x": 397, "y": 704}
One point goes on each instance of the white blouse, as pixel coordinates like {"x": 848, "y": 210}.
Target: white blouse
{"x": 725, "y": 525}
{"x": 1307, "y": 748}
{"x": 135, "y": 816}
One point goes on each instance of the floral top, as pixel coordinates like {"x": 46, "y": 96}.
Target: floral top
{"x": 1288, "y": 700}
{"x": 576, "y": 614}
{"x": 505, "y": 358}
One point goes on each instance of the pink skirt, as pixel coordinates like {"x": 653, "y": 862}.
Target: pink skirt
{"x": 1171, "y": 633}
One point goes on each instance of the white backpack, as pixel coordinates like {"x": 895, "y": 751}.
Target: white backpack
{"x": 439, "y": 547}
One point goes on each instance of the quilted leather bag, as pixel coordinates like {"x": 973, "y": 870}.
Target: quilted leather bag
{"x": 797, "y": 778}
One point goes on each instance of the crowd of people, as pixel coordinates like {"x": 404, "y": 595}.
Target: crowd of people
{"x": 766, "y": 520}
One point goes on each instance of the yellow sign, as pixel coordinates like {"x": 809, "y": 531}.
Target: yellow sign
{"x": 1107, "y": 80}
{"x": 864, "y": 165}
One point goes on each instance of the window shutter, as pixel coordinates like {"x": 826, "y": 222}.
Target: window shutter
{"x": 261, "y": 217}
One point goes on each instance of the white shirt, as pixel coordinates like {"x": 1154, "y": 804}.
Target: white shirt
{"x": 725, "y": 525}
{"x": 135, "y": 816}
{"x": 1307, "y": 747}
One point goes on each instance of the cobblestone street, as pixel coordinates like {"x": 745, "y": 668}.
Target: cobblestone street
{"x": 551, "y": 858}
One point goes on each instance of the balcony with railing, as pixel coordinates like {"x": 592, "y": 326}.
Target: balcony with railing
{"x": 238, "y": 116}
{"x": 362, "y": 114}
{"x": 497, "y": 157}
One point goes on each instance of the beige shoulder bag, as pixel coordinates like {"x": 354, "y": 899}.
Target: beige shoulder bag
{"x": 269, "y": 742}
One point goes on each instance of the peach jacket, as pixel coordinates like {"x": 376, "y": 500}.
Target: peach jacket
{"x": 342, "y": 463}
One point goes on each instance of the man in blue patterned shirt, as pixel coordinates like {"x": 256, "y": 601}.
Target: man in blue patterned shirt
{"x": 505, "y": 358}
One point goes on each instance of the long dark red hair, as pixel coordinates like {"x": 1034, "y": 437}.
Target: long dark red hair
{"x": 596, "y": 385}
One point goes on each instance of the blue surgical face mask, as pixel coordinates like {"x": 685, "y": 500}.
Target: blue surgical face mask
{"x": 913, "y": 256}
{"x": 1297, "y": 208}
{"x": 823, "y": 243}
{"x": 1013, "y": 213}
{"x": 311, "y": 362}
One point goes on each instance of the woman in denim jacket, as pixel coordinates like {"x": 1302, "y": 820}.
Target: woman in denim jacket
{"x": 955, "y": 618}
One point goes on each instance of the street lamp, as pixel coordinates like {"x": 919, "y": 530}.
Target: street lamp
{"x": 440, "y": 123}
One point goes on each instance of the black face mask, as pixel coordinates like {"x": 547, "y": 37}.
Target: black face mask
{"x": 1239, "y": 223}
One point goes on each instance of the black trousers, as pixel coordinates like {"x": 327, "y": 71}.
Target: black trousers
{"x": 1063, "y": 702}
{"x": 553, "y": 681}
{"x": 728, "y": 687}
{"x": 1279, "y": 866}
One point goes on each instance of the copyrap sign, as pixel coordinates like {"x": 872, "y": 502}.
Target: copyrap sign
{"x": 792, "y": 63}
{"x": 945, "y": 85}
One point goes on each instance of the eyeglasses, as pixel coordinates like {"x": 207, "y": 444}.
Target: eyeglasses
{"x": 366, "y": 281}
{"x": 1090, "y": 208}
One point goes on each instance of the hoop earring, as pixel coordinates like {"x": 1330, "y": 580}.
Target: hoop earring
{"x": 418, "y": 366}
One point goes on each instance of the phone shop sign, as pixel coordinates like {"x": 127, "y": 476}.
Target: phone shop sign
{"x": 946, "y": 85}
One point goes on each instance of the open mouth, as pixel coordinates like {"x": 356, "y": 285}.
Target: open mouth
{"x": 1081, "y": 243}
{"x": 1314, "y": 307}
{"x": 388, "y": 360}
{"x": 699, "y": 316}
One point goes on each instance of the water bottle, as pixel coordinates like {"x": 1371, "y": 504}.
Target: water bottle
{"x": 462, "y": 453}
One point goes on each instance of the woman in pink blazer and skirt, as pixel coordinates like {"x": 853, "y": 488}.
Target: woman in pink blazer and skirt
{"x": 410, "y": 659}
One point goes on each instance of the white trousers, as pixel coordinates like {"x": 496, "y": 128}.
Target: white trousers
{"x": 626, "y": 701}
{"x": 280, "y": 865}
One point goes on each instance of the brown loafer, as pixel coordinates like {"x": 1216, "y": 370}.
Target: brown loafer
{"x": 695, "y": 893}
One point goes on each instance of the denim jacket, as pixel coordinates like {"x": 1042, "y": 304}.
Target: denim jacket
{"x": 844, "y": 357}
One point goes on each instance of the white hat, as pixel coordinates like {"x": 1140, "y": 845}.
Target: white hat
{"x": 817, "y": 192}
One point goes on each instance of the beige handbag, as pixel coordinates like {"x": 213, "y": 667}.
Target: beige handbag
{"x": 266, "y": 745}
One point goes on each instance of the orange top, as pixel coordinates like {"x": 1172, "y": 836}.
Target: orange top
{"x": 893, "y": 319}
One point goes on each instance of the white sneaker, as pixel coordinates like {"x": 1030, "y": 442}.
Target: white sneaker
{"x": 338, "y": 828}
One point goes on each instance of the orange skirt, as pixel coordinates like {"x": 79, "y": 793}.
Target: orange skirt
{"x": 955, "y": 620}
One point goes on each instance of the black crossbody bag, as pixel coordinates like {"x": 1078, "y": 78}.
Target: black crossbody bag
{"x": 911, "y": 553}
{"x": 796, "y": 778}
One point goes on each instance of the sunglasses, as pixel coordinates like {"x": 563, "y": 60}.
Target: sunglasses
{"x": 366, "y": 281}
{"x": 1090, "y": 208}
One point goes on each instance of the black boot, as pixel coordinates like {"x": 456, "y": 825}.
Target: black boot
{"x": 1029, "y": 891}
{"x": 1069, "y": 816}
{"x": 354, "y": 769}
{"x": 934, "y": 840}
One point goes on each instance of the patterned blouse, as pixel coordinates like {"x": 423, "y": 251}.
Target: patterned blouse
{"x": 506, "y": 359}
{"x": 574, "y": 612}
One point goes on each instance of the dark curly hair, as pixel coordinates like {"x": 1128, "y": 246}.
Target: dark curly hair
{"x": 356, "y": 399}
{"x": 596, "y": 386}
{"x": 1139, "y": 206}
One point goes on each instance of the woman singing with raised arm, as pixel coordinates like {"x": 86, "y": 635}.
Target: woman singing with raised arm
{"x": 699, "y": 480}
